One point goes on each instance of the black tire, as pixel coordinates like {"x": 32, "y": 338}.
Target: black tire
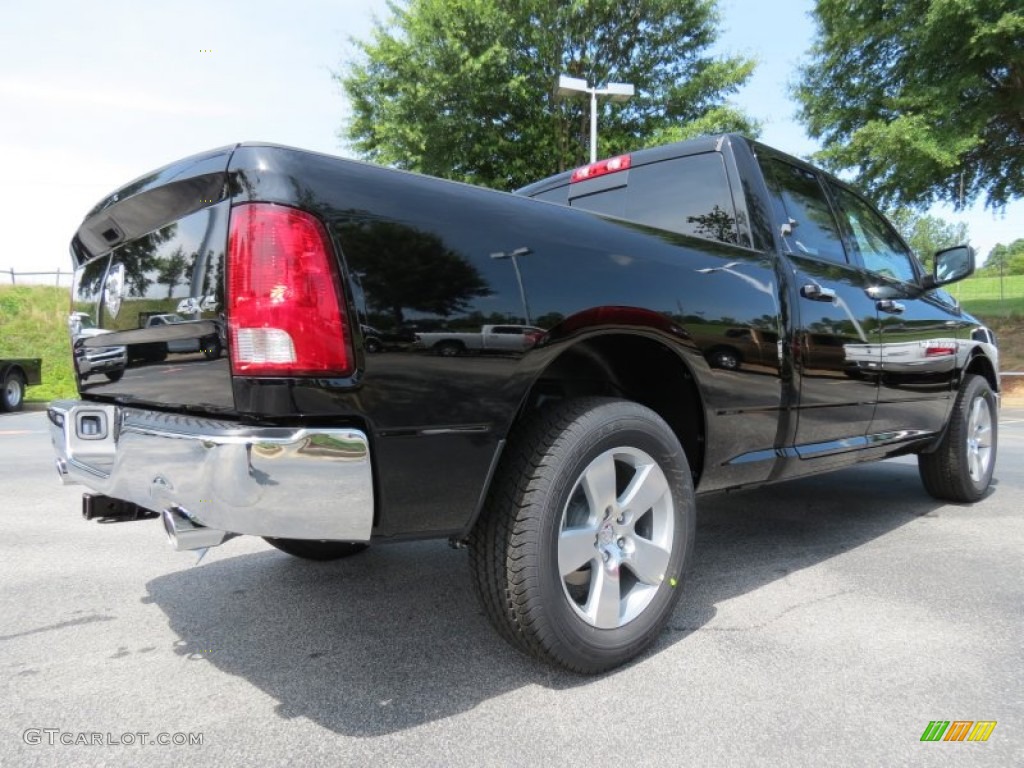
{"x": 960, "y": 468}
{"x": 449, "y": 348}
{"x": 372, "y": 345}
{"x": 725, "y": 358}
{"x": 516, "y": 547}
{"x": 212, "y": 348}
{"x": 13, "y": 396}
{"x": 317, "y": 550}
{"x": 114, "y": 375}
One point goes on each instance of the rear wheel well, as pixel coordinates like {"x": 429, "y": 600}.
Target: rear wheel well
{"x": 636, "y": 368}
{"x": 13, "y": 368}
{"x": 980, "y": 364}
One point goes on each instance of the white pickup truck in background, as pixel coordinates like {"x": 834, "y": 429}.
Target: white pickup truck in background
{"x": 491, "y": 338}
{"x": 210, "y": 346}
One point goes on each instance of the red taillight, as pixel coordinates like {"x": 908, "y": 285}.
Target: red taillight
{"x": 600, "y": 168}
{"x": 284, "y": 312}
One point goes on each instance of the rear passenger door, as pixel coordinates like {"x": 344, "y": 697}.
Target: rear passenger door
{"x": 835, "y": 338}
{"x": 918, "y": 330}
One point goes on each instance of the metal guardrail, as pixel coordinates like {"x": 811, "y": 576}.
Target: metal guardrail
{"x": 58, "y": 275}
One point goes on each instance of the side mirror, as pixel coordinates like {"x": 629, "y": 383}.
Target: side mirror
{"x": 951, "y": 264}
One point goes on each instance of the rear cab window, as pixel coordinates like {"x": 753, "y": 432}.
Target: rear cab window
{"x": 690, "y": 195}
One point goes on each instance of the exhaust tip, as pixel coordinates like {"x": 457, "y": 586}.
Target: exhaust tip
{"x": 165, "y": 518}
{"x": 185, "y": 535}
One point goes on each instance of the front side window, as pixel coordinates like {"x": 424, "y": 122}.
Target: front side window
{"x": 811, "y": 229}
{"x": 880, "y": 248}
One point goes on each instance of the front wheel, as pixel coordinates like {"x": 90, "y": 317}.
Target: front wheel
{"x": 727, "y": 359}
{"x": 13, "y": 396}
{"x": 317, "y": 550}
{"x": 960, "y": 468}
{"x": 580, "y": 551}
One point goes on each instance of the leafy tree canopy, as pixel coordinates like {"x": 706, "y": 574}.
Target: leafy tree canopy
{"x": 465, "y": 89}
{"x": 924, "y": 99}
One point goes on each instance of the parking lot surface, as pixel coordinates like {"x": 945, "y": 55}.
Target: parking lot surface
{"x": 826, "y": 622}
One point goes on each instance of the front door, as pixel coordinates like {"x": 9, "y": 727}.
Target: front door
{"x": 918, "y": 330}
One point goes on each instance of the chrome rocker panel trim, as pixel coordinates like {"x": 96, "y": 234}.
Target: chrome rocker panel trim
{"x": 303, "y": 483}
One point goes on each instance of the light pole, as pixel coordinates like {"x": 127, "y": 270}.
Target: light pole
{"x": 616, "y": 91}
{"x": 513, "y": 257}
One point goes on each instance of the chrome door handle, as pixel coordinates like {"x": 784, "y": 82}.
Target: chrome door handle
{"x": 890, "y": 306}
{"x": 815, "y": 292}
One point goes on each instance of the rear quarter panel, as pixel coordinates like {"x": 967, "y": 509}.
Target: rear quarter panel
{"x": 427, "y": 255}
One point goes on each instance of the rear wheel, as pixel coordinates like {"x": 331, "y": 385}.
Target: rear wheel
{"x": 13, "y": 396}
{"x": 211, "y": 348}
{"x": 114, "y": 375}
{"x": 579, "y": 554}
{"x": 317, "y": 550}
{"x": 960, "y": 469}
{"x": 449, "y": 348}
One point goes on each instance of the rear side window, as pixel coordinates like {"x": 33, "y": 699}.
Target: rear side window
{"x": 689, "y": 195}
{"x": 812, "y": 229}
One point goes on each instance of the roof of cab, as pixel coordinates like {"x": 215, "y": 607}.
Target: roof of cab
{"x": 639, "y": 157}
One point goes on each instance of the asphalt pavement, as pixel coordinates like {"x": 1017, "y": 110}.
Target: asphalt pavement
{"x": 826, "y": 622}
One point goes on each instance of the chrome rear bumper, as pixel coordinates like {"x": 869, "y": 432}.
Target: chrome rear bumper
{"x": 296, "y": 483}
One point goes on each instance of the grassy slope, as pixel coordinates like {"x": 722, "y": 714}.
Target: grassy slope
{"x": 33, "y": 323}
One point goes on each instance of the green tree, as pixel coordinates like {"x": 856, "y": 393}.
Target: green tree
{"x": 173, "y": 269}
{"x": 926, "y": 234}
{"x": 1005, "y": 259}
{"x": 924, "y": 99}
{"x": 465, "y": 89}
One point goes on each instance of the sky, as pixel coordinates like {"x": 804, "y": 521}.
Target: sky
{"x": 93, "y": 95}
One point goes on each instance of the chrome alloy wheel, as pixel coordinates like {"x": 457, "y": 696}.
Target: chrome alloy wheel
{"x": 979, "y": 439}
{"x": 615, "y": 538}
{"x": 13, "y": 392}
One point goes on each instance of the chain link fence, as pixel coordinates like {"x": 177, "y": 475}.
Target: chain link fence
{"x": 995, "y": 296}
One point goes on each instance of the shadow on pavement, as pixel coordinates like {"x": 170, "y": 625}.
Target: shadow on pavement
{"x": 392, "y": 639}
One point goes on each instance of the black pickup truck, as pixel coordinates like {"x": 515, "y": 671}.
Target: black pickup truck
{"x": 711, "y": 315}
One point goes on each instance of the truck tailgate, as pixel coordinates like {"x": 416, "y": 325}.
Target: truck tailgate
{"x": 150, "y": 275}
